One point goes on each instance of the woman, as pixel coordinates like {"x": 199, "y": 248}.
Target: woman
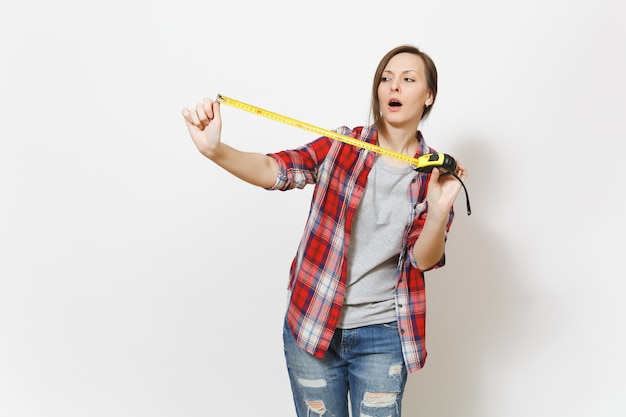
{"x": 355, "y": 322}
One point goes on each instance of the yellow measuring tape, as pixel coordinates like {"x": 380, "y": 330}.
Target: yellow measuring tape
{"x": 424, "y": 163}
{"x": 320, "y": 131}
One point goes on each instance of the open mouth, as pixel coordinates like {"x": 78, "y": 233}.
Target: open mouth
{"x": 394, "y": 103}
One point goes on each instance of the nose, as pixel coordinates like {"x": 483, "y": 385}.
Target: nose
{"x": 394, "y": 85}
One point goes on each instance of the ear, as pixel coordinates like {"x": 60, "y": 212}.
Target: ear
{"x": 430, "y": 99}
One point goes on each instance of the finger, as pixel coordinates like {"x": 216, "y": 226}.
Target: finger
{"x": 191, "y": 118}
{"x": 217, "y": 111}
{"x": 435, "y": 174}
{"x": 203, "y": 117}
{"x": 207, "y": 104}
{"x": 194, "y": 119}
{"x": 461, "y": 171}
{"x": 187, "y": 115}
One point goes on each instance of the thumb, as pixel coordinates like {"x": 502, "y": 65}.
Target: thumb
{"x": 217, "y": 112}
{"x": 434, "y": 175}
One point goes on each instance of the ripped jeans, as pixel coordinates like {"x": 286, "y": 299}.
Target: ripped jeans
{"x": 363, "y": 364}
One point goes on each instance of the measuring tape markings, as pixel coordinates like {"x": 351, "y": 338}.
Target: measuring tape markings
{"x": 315, "y": 129}
{"x": 423, "y": 163}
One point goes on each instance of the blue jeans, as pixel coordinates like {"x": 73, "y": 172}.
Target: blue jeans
{"x": 364, "y": 364}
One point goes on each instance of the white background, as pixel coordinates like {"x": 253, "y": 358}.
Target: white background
{"x": 138, "y": 279}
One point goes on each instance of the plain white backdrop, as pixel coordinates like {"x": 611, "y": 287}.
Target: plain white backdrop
{"x": 137, "y": 279}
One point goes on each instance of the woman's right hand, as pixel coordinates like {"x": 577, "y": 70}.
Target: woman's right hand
{"x": 204, "y": 123}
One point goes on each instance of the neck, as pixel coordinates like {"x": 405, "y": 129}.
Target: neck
{"x": 400, "y": 141}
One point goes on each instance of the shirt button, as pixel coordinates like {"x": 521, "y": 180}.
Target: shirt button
{"x": 400, "y": 305}
{"x": 402, "y": 331}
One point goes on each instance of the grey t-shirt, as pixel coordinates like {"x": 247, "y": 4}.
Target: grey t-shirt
{"x": 375, "y": 246}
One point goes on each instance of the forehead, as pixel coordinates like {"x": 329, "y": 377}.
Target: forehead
{"x": 405, "y": 61}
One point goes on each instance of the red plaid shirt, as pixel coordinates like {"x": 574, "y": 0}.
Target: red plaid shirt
{"x": 318, "y": 272}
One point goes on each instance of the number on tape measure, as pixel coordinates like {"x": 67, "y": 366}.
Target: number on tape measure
{"x": 315, "y": 129}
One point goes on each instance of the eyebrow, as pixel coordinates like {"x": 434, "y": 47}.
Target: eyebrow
{"x": 402, "y": 72}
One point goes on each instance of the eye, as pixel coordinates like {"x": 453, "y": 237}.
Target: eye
{"x": 384, "y": 79}
{"x": 408, "y": 79}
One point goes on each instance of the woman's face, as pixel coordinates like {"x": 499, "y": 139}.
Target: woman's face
{"x": 403, "y": 91}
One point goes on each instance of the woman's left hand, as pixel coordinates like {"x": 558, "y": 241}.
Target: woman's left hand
{"x": 444, "y": 188}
